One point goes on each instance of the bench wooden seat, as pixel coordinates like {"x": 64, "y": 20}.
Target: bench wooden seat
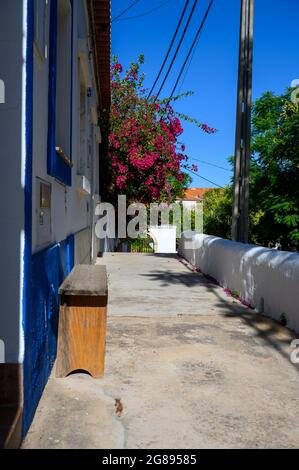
{"x": 82, "y": 321}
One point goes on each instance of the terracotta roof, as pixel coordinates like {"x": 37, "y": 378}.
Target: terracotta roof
{"x": 193, "y": 194}
{"x": 102, "y": 33}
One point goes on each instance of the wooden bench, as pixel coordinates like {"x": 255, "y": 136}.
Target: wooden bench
{"x": 82, "y": 321}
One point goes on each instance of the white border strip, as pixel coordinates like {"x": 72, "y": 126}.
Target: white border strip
{"x": 23, "y": 171}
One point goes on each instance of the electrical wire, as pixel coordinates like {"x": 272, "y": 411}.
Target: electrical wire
{"x": 125, "y": 11}
{"x": 210, "y": 164}
{"x": 189, "y": 65}
{"x": 178, "y": 48}
{"x": 170, "y": 47}
{"x": 191, "y": 48}
{"x": 205, "y": 179}
{"x": 145, "y": 13}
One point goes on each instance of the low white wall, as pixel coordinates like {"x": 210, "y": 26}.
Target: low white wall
{"x": 267, "y": 279}
{"x": 164, "y": 237}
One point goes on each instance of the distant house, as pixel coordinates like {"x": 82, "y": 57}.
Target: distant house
{"x": 55, "y": 65}
{"x": 192, "y": 196}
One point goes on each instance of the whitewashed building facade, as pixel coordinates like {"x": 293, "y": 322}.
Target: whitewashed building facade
{"x": 55, "y": 75}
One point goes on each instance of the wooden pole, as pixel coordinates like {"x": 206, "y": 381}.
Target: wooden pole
{"x": 240, "y": 216}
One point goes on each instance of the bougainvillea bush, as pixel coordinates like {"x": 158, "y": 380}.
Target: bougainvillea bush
{"x": 146, "y": 157}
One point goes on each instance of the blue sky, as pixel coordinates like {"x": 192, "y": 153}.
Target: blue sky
{"x": 212, "y": 74}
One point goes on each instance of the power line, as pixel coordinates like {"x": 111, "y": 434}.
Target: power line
{"x": 205, "y": 179}
{"x": 191, "y": 48}
{"x": 178, "y": 47}
{"x": 210, "y": 164}
{"x": 170, "y": 47}
{"x": 189, "y": 65}
{"x": 125, "y": 11}
{"x": 145, "y": 13}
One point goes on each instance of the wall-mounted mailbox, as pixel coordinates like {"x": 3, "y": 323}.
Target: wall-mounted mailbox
{"x": 43, "y": 212}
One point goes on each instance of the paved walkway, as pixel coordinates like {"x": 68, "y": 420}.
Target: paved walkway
{"x": 158, "y": 285}
{"x": 191, "y": 367}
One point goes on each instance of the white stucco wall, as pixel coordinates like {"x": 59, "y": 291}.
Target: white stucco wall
{"x": 11, "y": 187}
{"x": 164, "y": 238}
{"x": 71, "y": 208}
{"x": 189, "y": 205}
{"x": 267, "y": 279}
{"x": 83, "y": 246}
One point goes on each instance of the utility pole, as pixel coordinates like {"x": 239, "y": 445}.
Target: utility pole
{"x": 240, "y": 222}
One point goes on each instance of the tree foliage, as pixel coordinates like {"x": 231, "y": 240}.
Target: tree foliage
{"x": 275, "y": 169}
{"x": 274, "y": 178}
{"x": 217, "y": 212}
{"x": 146, "y": 158}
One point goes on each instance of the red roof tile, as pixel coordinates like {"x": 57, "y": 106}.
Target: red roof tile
{"x": 193, "y": 194}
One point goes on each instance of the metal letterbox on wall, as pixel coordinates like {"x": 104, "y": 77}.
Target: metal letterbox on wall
{"x": 43, "y": 212}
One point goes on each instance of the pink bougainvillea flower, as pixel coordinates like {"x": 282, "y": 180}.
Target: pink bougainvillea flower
{"x": 227, "y": 292}
{"x": 208, "y": 129}
{"x": 145, "y": 158}
{"x": 122, "y": 168}
{"x": 117, "y": 67}
{"x": 121, "y": 181}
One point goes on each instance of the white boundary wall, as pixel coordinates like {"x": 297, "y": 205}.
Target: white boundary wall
{"x": 267, "y": 279}
{"x": 164, "y": 237}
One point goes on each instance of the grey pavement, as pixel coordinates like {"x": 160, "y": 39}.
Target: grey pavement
{"x": 191, "y": 367}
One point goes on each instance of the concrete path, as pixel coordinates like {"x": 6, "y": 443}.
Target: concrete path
{"x": 158, "y": 285}
{"x": 191, "y": 368}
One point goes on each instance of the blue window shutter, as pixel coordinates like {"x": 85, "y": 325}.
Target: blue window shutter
{"x": 55, "y": 165}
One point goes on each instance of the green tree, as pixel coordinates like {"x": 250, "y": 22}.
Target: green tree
{"x": 147, "y": 161}
{"x": 217, "y": 212}
{"x": 274, "y": 182}
{"x": 274, "y": 177}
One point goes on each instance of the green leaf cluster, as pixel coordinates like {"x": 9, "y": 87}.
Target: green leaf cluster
{"x": 274, "y": 177}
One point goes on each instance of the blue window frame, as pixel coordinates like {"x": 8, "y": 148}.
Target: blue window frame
{"x": 59, "y": 158}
